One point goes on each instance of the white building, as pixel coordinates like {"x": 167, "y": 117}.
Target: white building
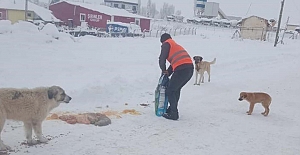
{"x": 202, "y": 8}
{"x": 130, "y": 5}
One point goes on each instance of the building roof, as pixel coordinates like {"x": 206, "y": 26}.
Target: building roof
{"x": 124, "y": 1}
{"x": 44, "y": 13}
{"x": 234, "y": 18}
{"x": 293, "y": 24}
{"x": 256, "y": 17}
{"x": 105, "y": 9}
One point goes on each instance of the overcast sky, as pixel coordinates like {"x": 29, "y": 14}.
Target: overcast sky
{"x": 264, "y": 8}
{"x": 241, "y": 8}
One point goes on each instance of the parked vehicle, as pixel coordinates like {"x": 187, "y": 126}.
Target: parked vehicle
{"x": 117, "y": 29}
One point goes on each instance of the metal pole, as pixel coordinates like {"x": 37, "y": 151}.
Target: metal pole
{"x": 26, "y": 10}
{"x": 279, "y": 21}
{"x": 281, "y": 41}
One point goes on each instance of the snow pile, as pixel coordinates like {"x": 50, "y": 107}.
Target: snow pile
{"x": 28, "y": 30}
{"x": 24, "y": 27}
{"x": 51, "y": 29}
{"x": 5, "y": 26}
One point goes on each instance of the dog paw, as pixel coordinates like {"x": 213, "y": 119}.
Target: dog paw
{"x": 43, "y": 140}
{"x": 249, "y": 113}
{"x": 31, "y": 142}
{"x": 5, "y": 147}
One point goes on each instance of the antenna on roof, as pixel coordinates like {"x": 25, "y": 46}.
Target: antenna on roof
{"x": 248, "y": 9}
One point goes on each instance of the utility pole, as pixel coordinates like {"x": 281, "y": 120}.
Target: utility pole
{"x": 281, "y": 41}
{"x": 279, "y": 22}
{"x": 26, "y": 10}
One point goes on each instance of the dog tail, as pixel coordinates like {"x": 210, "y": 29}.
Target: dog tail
{"x": 214, "y": 61}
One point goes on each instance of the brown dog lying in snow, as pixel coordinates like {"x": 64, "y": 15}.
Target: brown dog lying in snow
{"x": 257, "y": 97}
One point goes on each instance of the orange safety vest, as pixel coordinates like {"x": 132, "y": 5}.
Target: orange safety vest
{"x": 177, "y": 55}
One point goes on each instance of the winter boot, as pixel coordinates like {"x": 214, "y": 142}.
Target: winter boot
{"x": 168, "y": 110}
{"x": 171, "y": 115}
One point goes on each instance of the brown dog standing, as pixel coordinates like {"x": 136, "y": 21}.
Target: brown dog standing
{"x": 256, "y": 97}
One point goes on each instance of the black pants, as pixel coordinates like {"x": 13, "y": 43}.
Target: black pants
{"x": 177, "y": 81}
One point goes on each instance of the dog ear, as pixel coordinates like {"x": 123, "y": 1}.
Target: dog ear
{"x": 52, "y": 92}
{"x": 201, "y": 58}
{"x": 243, "y": 94}
{"x": 194, "y": 57}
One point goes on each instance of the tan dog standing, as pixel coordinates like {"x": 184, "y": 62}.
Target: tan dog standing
{"x": 257, "y": 97}
{"x": 201, "y": 67}
{"x": 30, "y": 106}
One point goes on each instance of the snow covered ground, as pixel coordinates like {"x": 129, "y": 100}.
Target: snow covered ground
{"x": 102, "y": 74}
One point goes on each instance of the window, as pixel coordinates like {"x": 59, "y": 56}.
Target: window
{"x": 0, "y": 15}
{"x": 123, "y": 6}
{"x": 116, "y": 5}
{"x": 112, "y": 18}
{"x": 137, "y": 21}
{"x": 70, "y": 23}
{"x": 82, "y": 17}
{"x": 29, "y": 14}
{"x": 133, "y": 8}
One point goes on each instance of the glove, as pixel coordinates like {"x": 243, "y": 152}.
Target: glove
{"x": 165, "y": 72}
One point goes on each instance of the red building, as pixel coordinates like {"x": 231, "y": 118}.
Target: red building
{"x": 2, "y": 14}
{"x": 95, "y": 15}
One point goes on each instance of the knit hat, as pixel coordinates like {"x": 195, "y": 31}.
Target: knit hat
{"x": 165, "y": 37}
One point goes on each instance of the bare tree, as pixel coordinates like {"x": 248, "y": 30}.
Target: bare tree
{"x": 178, "y": 12}
{"x": 166, "y": 10}
{"x": 153, "y": 10}
{"x": 148, "y": 7}
{"x": 139, "y": 7}
{"x": 36, "y": 2}
{"x": 171, "y": 10}
{"x": 143, "y": 11}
